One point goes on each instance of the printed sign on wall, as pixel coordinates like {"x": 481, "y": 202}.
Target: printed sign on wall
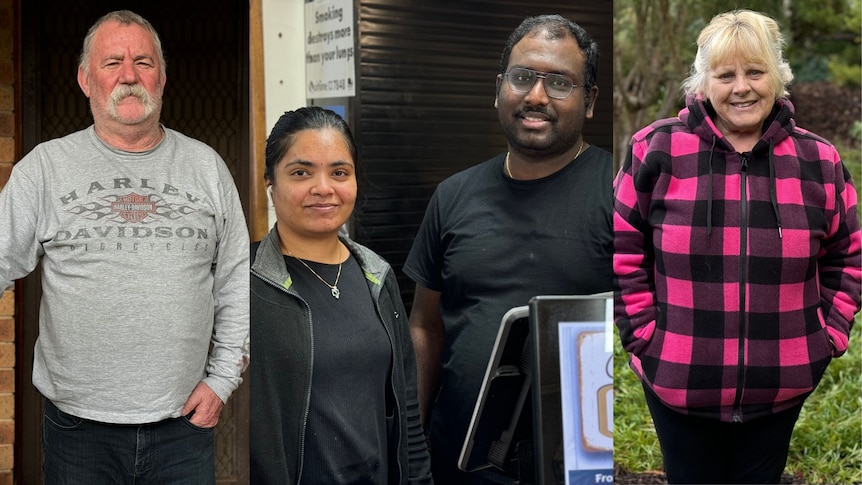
{"x": 329, "y": 52}
{"x": 587, "y": 387}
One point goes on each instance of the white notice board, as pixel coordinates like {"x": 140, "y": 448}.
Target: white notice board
{"x": 329, "y": 49}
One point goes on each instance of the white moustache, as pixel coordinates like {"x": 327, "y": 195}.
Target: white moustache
{"x": 126, "y": 90}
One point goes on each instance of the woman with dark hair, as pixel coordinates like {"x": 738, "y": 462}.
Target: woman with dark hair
{"x": 737, "y": 260}
{"x": 333, "y": 384}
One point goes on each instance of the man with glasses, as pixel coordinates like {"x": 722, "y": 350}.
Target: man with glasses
{"x": 535, "y": 220}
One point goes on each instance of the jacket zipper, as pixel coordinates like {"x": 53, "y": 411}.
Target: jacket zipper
{"x": 310, "y": 374}
{"x": 743, "y": 277}
{"x": 392, "y": 378}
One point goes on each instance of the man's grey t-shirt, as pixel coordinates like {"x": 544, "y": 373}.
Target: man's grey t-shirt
{"x": 142, "y": 254}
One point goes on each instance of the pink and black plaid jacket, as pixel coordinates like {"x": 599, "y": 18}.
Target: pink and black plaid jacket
{"x": 737, "y": 274}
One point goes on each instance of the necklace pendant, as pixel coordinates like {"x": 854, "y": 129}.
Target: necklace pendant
{"x": 335, "y": 293}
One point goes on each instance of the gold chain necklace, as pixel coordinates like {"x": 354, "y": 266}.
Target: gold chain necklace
{"x": 509, "y": 173}
{"x": 333, "y": 288}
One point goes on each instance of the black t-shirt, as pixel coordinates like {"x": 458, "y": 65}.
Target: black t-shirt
{"x": 489, "y": 243}
{"x": 345, "y": 440}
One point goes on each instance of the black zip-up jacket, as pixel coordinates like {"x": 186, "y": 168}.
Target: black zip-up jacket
{"x": 280, "y": 377}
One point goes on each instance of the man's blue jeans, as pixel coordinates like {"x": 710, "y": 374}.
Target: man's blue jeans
{"x": 80, "y": 451}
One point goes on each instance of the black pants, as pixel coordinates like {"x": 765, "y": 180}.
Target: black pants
{"x": 80, "y": 451}
{"x": 699, "y": 450}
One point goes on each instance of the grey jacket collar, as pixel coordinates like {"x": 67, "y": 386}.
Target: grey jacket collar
{"x": 269, "y": 263}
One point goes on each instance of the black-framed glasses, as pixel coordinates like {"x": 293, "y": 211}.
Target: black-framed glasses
{"x": 522, "y": 80}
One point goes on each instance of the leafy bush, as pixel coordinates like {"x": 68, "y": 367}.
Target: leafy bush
{"x": 844, "y": 74}
{"x": 851, "y": 156}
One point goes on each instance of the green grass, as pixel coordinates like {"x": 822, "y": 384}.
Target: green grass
{"x": 636, "y": 446}
{"x": 827, "y": 442}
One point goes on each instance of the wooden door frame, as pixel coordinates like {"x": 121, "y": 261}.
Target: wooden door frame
{"x": 259, "y": 211}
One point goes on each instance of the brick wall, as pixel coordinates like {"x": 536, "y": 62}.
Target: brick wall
{"x": 7, "y": 301}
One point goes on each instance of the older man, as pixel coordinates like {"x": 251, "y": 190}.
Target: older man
{"x": 143, "y": 326}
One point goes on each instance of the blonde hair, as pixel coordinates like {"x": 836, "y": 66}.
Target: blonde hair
{"x": 741, "y": 35}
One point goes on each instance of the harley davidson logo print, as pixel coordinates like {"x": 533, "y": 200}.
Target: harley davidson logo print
{"x": 133, "y": 207}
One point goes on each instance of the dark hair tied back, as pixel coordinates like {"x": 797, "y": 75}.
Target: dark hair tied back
{"x": 288, "y": 126}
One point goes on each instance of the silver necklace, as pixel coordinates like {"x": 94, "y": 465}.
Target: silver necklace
{"x": 333, "y": 288}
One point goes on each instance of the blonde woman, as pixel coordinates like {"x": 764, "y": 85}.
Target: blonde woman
{"x": 737, "y": 260}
